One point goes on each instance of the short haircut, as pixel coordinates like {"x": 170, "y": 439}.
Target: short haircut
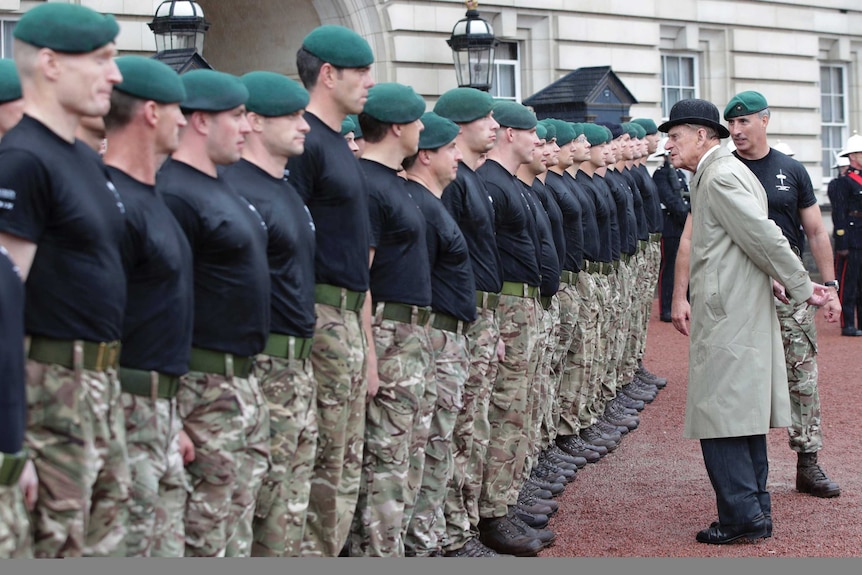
{"x": 373, "y": 130}
{"x": 308, "y": 65}
{"x": 123, "y": 109}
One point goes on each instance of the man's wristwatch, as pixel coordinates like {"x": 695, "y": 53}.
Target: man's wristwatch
{"x": 832, "y": 283}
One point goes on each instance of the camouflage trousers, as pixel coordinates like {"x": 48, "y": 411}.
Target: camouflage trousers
{"x": 282, "y": 504}
{"x": 615, "y": 327}
{"x": 212, "y": 414}
{"x": 570, "y": 306}
{"x": 253, "y": 461}
{"x": 15, "y": 542}
{"x": 471, "y": 433}
{"x": 392, "y": 417}
{"x": 652, "y": 271}
{"x": 338, "y": 363}
{"x": 158, "y": 488}
{"x": 426, "y": 531}
{"x": 591, "y": 396}
{"x": 540, "y": 397}
{"x": 579, "y": 360}
{"x": 507, "y": 411}
{"x": 637, "y": 284}
{"x": 76, "y": 435}
{"x": 799, "y": 335}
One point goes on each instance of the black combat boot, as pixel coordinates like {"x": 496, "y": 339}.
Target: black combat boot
{"x": 811, "y": 479}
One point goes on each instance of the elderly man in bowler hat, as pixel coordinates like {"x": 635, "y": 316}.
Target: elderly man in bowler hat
{"x": 737, "y": 388}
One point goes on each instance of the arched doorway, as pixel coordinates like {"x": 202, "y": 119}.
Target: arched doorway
{"x": 265, "y": 34}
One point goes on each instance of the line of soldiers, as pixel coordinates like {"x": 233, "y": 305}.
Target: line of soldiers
{"x": 241, "y": 340}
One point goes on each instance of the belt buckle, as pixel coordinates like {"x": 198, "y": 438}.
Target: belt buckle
{"x": 228, "y": 364}
{"x": 343, "y": 298}
{"x": 154, "y": 385}
{"x": 100, "y": 356}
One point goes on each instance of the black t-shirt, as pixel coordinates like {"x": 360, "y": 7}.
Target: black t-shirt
{"x": 157, "y": 330}
{"x": 640, "y": 205}
{"x": 452, "y": 285}
{"x": 550, "y": 261}
{"x": 517, "y": 238}
{"x": 13, "y": 392}
{"x": 651, "y": 198}
{"x": 328, "y": 178}
{"x": 555, "y": 216}
{"x": 572, "y": 257}
{"x": 606, "y": 215}
{"x": 58, "y": 196}
{"x": 290, "y": 248}
{"x": 400, "y": 271}
{"x": 788, "y": 190}
{"x": 589, "y": 221}
{"x": 231, "y": 275}
{"x": 626, "y": 221}
{"x": 473, "y": 211}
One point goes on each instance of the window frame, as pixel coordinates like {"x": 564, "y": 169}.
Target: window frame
{"x": 665, "y": 86}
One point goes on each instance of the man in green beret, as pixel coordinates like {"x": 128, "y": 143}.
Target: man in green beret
{"x": 278, "y": 129}
{"x": 517, "y": 313}
{"x": 219, "y": 399}
{"x": 794, "y": 208}
{"x": 648, "y": 138}
{"x": 399, "y": 414}
{"x": 348, "y": 130}
{"x": 11, "y": 103}
{"x": 55, "y": 227}
{"x": 143, "y": 125}
{"x": 453, "y": 302}
{"x": 334, "y": 64}
{"x": 469, "y": 204}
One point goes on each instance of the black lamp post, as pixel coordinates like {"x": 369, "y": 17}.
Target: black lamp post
{"x": 473, "y": 42}
{"x": 179, "y": 27}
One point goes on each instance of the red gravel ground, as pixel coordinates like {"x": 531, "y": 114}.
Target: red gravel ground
{"x": 652, "y": 495}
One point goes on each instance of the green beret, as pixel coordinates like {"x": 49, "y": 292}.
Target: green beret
{"x": 357, "y": 129}
{"x": 394, "y": 103}
{"x": 564, "y": 131}
{"x": 347, "y": 126}
{"x": 69, "y": 28}
{"x": 438, "y": 131}
{"x": 150, "y": 79}
{"x": 596, "y": 134}
{"x": 339, "y": 46}
{"x": 541, "y": 131}
{"x": 640, "y": 129}
{"x": 510, "y": 114}
{"x": 212, "y": 91}
{"x": 648, "y": 125}
{"x": 578, "y": 128}
{"x": 10, "y": 84}
{"x": 628, "y": 128}
{"x": 745, "y": 103}
{"x": 464, "y": 104}
{"x": 550, "y": 129}
{"x": 272, "y": 95}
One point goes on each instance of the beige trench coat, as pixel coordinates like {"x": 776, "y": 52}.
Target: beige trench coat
{"x": 737, "y": 381}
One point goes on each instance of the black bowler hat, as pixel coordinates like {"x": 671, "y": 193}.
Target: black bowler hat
{"x": 695, "y": 111}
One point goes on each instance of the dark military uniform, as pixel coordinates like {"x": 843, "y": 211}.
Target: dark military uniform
{"x": 845, "y": 194}
{"x": 673, "y": 191}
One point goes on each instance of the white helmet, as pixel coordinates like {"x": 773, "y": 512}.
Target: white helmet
{"x": 783, "y": 148}
{"x": 659, "y": 150}
{"x": 854, "y": 144}
{"x": 840, "y": 160}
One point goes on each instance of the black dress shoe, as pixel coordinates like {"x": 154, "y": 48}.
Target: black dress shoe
{"x": 851, "y": 331}
{"x": 768, "y": 525}
{"x": 718, "y": 534}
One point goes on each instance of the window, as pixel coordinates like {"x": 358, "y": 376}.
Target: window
{"x": 506, "y": 82}
{"x": 678, "y": 74}
{"x": 6, "y": 27}
{"x": 833, "y": 114}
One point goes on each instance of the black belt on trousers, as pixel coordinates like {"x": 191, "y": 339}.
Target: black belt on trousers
{"x": 487, "y": 300}
{"x": 96, "y": 356}
{"x": 219, "y": 362}
{"x": 288, "y": 346}
{"x": 339, "y": 297}
{"x": 148, "y": 383}
{"x": 405, "y": 313}
{"x": 11, "y": 467}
